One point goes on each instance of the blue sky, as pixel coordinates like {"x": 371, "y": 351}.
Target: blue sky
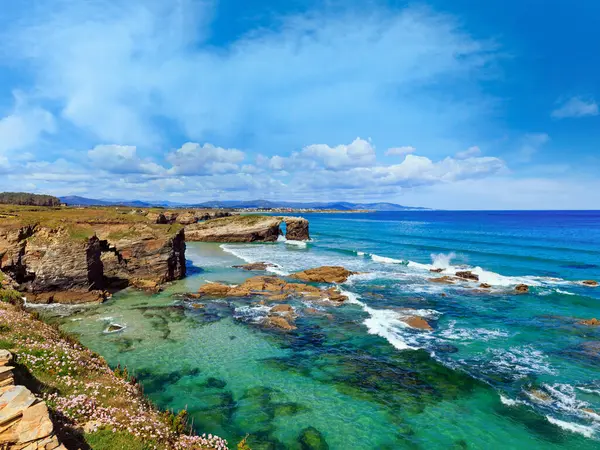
{"x": 447, "y": 104}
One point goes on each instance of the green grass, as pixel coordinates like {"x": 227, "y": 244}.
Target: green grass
{"x": 6, "y": 344}
{"x": 10, "y": 296}
{"x": 107, "y": 440}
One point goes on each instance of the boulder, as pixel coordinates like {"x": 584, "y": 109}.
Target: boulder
{"x": 35, "y": 423}
{"x": 590, "y": 283}
{"x": 214, "y": 290}
{"x": 521, "y": 288}
{"x": 467, "y": 275}
{"x": 311, "y": 439}
{"x": 13, "y": 402}
{"x": 485, "y": 286}
{"x": 257, "y": 266}
{"x": 282, "y": 309}
{"x": 417, "y": 322}
{"x": 279, "y": 322}
{"x": 443, "y": 280}
{"x": 590, "y": 322}
{"x": 436, "y": 270}
{"x": 324, "y": 274}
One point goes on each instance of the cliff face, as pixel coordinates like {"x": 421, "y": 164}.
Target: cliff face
{"x": 143, "y": 258}
{"x": 75, "y": 264}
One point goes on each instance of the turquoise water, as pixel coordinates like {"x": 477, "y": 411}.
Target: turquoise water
{"x": 498, "y": 371}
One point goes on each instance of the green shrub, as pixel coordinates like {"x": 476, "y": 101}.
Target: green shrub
{"x": 11, "y": 296}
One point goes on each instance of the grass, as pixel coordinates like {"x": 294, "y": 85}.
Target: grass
{"x": 107, "y": 440}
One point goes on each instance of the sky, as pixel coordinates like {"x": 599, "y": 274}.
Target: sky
{"x": 451, "y": 104}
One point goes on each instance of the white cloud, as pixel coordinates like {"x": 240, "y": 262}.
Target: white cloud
{"x": 400, "y": 151}
{"x": 469, "y": 153}
{"x": 359, "y": 153}
{"x": 121, "y": 159}
{"x": 576, "y": 107}
{"x": 24, "y": 125}
{"x": 196, "y": 159}
{"x": 118, "y": 72}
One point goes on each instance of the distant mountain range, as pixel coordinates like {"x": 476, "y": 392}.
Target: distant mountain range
{"x": 261, "y": 204}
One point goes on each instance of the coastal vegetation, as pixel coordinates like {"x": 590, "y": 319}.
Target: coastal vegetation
{"x": 91, "y": 405}
{"x": 24, "y": 198}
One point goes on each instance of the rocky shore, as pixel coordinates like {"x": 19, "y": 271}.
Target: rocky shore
{"x": 81, "y": 255}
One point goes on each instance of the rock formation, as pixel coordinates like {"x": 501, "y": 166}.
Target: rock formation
{"x": 324, "y": 274}
{"x": 590, "y": 322}
{"x": 467, "y": 275}
{"x": 75, "y": 262}
{"x": 271, "y": 289}
{"x": 248, "y": 228}
{"x": 235, "y": 229}
{"x": 590, "y": 283}
{"x": 257, "y": 266}
{"x": 24, "y": 419}
{"x": 296, "y": 228}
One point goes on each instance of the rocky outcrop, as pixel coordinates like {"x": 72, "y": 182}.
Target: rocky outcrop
{"x": 272, "y": 289}
{"x": 590, "y": 283}
{"x": 467, "y": 275}
{"x": 24, "y": 419}
{"x": 442, "y": 280}
{"x": 235, "y": 229}
{"x": 257, "y": 266}
{"x": 77, "y": 262}
{"x": 296, "y": 228}
{"x": 248, "y": 228}
{"x": 417, "y": 322}
{"x": 324, "y": 274}
{"x": 45, "y": 260}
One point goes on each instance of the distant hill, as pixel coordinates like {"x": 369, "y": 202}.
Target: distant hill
{"x": 24, "y": 198}
{"x": 261, "y": 204}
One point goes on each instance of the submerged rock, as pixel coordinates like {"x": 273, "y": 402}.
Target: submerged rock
{"x": 213, "y": 290}
{"x": 114, "y": 328}
{"x": 467, "y": 275}
{"x": 485, "y": 286}
{"x": 436, "y": 270}
{"x": 590, "y": 322}
{"x": 286, "y": 309}
{"x": 324, "y": 274}
{"x": 311, "y": 439}
{"x": 521, "y": 288}
{"x": 254, "y": 266}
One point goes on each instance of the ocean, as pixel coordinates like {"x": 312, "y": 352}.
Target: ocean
{"x": 499, "y": 369}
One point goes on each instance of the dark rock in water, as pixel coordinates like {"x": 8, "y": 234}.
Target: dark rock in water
{"x": 522, "y": 288}
{"x": 581, "y": 266}
{"x": 436, "y": 270}
{"x": 485, "y": 286}
{"x": 591, "y": 283}
{"x": 443, "y": 280}
{"x": 253, "y": 266}
{"x": 296, "y": 229}
{"x": 467, "y": 275}
{"x": 215, "y": 383}
{"x": 446, "y": 348}
{"x": 311, "y": 439}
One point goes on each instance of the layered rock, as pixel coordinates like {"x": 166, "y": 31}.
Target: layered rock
{"x": 49, "y": 260}
{"x": 24, "y": 419}
{"x": 324, "y": 274}
{"x": 77, "y": 262}
{"x": 142, "y": 256}
{"x": 248, "y": 228}
{"x": 235, "y": 229}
